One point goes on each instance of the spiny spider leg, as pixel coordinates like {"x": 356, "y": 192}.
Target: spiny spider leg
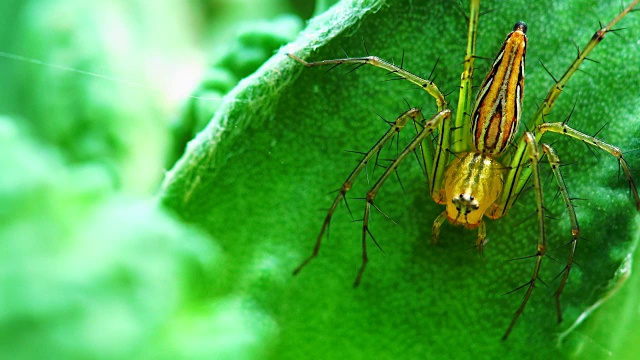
{"x": 534, "y": 160}
{"x": 462, "y": 137}
{"x": 429, "y": 127}
{"x": 427, "y": 85}
{"x": 402, "y": 120}
{"x": 557, "y": 88}
{"x": 564, "y": 129}
{"x": 554, "y": 162}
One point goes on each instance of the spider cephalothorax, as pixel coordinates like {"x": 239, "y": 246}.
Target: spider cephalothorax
{"x": 472, "y": 184}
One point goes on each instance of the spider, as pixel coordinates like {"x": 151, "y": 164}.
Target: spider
{"x": 477, "y": 166}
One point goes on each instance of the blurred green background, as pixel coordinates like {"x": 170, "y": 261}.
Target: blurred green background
{"x": 147, "y": 59}
{"x": 99, "y": 100}
{"x": 94, "y": 106}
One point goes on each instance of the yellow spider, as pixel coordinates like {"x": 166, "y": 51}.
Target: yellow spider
{"x": 477, "y": 166}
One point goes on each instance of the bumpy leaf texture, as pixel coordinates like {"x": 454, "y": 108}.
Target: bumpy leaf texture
{"x": 259, "y": 177}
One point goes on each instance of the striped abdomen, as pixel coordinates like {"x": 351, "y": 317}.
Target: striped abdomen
{"x": 496, "y": 111}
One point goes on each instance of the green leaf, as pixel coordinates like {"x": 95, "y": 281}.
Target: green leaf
{"x": 255, "y": 43}
{"x": 258, "y": 177}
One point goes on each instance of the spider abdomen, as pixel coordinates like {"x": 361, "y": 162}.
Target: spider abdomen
{"x": 497, "y": 108}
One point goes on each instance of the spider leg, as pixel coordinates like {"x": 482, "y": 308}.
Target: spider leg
{"x": 425, "y": 84}
{"x": 564, "y": 129}
{"x": 482, "y": 235}
{"x": 557, "y": 88}
{"x": 534, "y": 160}
{"x": 461, "y": 137}
{"x": 437, "y": 223}
{"x": 554, "y": 162}
{"x": 514, "y": 185}
{"x": 402, "y": 120}
{"x": 428, "y": 128}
